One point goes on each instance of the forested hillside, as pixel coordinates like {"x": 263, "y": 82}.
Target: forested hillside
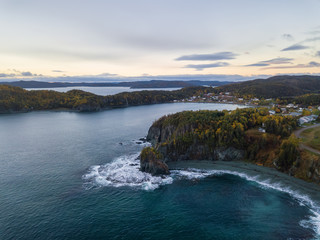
{"x": 16, "y": 99}
{"x": 228, "y": 136}
{"x": 274, "y": 87}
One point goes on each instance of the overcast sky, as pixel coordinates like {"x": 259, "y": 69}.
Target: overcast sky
{"x": 168, "y": 37}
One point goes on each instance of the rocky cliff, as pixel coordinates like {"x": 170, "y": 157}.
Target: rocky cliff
{"x": 192, "y": 136}
{"x": 228, "y": 136}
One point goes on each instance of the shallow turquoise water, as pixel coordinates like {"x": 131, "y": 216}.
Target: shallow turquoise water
{"x": 47, "y": 191}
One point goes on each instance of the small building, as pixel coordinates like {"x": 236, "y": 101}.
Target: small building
{"x": 307, "y": 119}
{"x": 290, "y": 105}
{"x": 295, "y": 114}
{"x": 271, "y": 112}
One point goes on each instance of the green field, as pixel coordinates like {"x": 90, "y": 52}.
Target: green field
{"x": 311, "y": 137}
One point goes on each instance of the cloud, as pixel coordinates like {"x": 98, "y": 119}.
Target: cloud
{"x": 314, "y": 64}
{"x": 200, "y": 67}
{"x": 4, "y": 75}
{"x": 58, "y": 71}
{"x": 27, "y": 74}
{"x": 107, "y": 75}
{"x": 308, "y": 65}
{"x": 16, "y": 73}
{"x": 208, "y": 57}
{"x": 318, "y": 54}
{"x": 257, "y": 65}
{"x": 294, "y": 48}
{"x": 270, "y": 62}
{"x": 288, "y": 37}
{"x": 314, "y": 39}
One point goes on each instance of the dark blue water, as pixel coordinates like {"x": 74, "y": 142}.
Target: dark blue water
{"x": 68, "y": 175}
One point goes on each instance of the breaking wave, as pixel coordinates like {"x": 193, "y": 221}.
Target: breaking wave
{"x": 314, "y": 219}
{"x": 124, "y": 171}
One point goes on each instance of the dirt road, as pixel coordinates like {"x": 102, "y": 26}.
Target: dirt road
{"x": 303, "y": 146}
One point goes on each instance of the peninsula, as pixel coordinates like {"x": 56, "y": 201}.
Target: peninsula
{"x": 252, "y": 135}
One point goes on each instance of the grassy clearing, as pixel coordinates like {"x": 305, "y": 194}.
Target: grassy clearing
{"x": 311, "y": 137}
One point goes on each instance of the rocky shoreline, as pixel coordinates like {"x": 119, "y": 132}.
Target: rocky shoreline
{"x": 263, "y": 174}
{"x": 219, "y": 137}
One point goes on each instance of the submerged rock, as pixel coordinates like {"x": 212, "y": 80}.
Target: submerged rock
{"x": 144, "y": 140}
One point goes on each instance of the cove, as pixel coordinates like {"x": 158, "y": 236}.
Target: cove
{"x": 47, "y": 191}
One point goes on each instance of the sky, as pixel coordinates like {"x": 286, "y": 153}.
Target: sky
{"x": 167, "y": 39}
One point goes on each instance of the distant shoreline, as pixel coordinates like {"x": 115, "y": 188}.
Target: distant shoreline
{"x": 132, "y": 85}
{"x": 111, "y": 108}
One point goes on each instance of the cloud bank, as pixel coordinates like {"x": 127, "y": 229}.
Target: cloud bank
{"x": 308, "y": 65}
{"x": 200, "y": 67}
{"x": 271, "y": 61}
{"x": 208, "y": 57}
{"x": 294, "y": 48}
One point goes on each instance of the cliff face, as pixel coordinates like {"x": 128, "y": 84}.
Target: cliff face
{"x": 229, "y": 136}
{"x": 162, "y": 139}
{"x": 222, "y": 136}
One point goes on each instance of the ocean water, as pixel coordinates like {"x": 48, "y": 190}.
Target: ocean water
{"x": 67, "y": 175}
{"x": 104, "y": 91}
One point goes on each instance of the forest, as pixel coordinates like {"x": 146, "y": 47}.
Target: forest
{"x": 199, "y": 134}
{"x": 305, "y": 100}
{"x": 274, "y": 87}
{"x": 16, "y": 99}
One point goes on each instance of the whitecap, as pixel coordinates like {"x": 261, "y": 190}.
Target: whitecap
{"x": 123, "y": 171}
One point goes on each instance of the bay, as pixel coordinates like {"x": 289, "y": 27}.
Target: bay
{"x": 67, "y": 175}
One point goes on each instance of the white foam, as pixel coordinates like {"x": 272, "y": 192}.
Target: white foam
{"x": 123, "y": 171}
{"x": 314, "y": 219}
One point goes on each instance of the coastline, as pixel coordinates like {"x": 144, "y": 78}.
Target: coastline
{"x": 260, "y": 174}
{"x": 108, "y": 108}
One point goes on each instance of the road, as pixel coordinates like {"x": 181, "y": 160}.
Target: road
{"x": 303, "y": 146}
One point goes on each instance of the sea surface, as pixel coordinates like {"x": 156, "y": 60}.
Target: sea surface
{"x": 104, "y": 91}
{"x": 67, "y": 175}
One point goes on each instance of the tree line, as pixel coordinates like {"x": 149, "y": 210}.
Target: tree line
{"x": 15, "y": 99}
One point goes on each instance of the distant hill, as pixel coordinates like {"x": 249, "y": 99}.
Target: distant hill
{"x": 137, "y": 84}
{"x": 17, "y": 99}
{"x": 275, "y": 87}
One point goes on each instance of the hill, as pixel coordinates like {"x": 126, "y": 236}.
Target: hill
{"x": 275, "y": 87}
{"x": 136, "y": 84}
{"x": 16, "y": 99}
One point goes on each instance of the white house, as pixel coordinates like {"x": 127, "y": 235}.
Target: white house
{"x": 306, "y": 119}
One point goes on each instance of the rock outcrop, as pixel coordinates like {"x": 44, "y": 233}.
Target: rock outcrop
{"x": 150, "y": 161}
{"x": 161, "y": 138}
{"x": 176, "y": 143}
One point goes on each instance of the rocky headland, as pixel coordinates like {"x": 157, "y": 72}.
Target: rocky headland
{"x": 248, "y": 135}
